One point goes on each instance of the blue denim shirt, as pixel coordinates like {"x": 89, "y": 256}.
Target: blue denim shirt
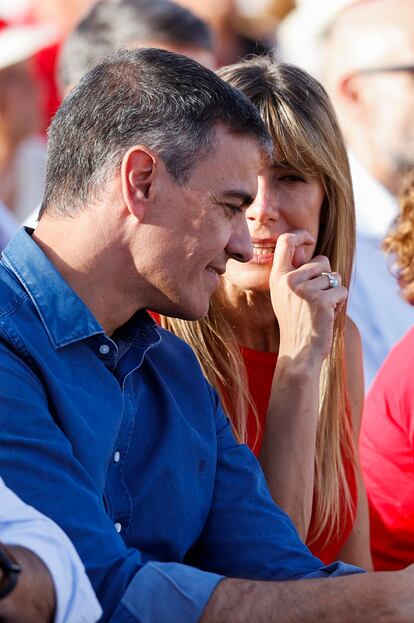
{"x": 124, "y": 444}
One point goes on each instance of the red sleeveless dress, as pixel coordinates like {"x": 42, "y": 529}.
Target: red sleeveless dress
{"x": 260, "y": 367}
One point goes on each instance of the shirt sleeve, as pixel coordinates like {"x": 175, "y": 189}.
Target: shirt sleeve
{"x": 22, "y": 525}
{"x": 38, "y": 462}
{"x": 247, "y": 535}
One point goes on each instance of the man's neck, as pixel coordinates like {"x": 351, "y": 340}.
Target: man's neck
{"x": 80, "y": 251}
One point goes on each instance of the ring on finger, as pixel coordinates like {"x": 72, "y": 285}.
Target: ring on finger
{"x": 332, "y": 278}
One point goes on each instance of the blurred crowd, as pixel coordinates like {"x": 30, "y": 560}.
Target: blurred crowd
{"x": 362, "y": 52}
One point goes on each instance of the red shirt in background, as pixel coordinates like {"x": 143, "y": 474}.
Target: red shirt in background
{"x": 46, "y": 62}
{"x": 387, "y": 455}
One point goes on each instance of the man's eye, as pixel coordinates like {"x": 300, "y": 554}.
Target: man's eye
{"x": 234, "y": 209}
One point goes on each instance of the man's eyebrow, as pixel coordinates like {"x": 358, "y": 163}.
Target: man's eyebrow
{"x": 245, "y": 198}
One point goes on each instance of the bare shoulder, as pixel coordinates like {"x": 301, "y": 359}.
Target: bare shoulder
{"x": 354, "y": 371}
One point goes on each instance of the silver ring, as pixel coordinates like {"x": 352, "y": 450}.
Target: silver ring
{"x": 333, "y": 280}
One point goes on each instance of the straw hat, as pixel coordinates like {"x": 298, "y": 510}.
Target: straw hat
{"x": 19, "y": 42}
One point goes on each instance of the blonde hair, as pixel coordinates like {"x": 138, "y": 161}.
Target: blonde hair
{"x": 399, "y": 243}
{"x": 301, "y": 120}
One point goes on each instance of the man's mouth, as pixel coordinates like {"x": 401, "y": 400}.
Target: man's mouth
{"x": 217, "y": 271}
{"x": 213, "y": 270}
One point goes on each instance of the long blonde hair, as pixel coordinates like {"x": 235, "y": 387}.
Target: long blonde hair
{"x": 301, "y": 120}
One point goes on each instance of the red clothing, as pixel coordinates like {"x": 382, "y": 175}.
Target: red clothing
{"x": 387, "y": 455}
{"x": 46, "y": 61}
{"x": 260, "y": 367}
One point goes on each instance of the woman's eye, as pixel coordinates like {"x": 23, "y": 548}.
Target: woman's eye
{"x": 292, "y": 177}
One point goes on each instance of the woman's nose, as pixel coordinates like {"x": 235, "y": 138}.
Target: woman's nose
{"x": 264, "y": 208}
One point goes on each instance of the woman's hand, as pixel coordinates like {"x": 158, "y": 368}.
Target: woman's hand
{"x": 304, "y": 303}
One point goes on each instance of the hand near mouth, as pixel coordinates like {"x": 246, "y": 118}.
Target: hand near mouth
{"x": 304, "y": 304}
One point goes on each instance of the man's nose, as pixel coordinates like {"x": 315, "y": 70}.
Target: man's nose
{"x": 240, "y": 246}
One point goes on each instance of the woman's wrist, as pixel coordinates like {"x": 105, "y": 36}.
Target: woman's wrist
{"x": 307, "y": 363}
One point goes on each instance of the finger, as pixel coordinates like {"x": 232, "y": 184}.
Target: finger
{"x": 309, "y": 287}
{"x": 335, "y": 297}
{"x": 327, "y": 298}
{"x": 286, "y": 246}
{"x": 314, "y": 268}
{"x": 298, "y": 257}
{"x": 323, "y": 281}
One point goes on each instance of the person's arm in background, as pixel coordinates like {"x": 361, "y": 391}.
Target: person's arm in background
{"x": 32, "y": 600}
{"x": 52, "y": 580}
{"x": 356, "y": 549}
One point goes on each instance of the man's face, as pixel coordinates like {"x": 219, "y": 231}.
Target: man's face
{"x": 390, "y": 122}
{"x": 200, "y": 225}
{"x": 377, "y": 105}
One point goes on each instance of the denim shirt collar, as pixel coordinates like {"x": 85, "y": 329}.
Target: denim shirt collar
{"x": 64, "y": 315}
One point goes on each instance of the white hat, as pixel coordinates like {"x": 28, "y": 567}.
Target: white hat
{"x": 18, "y": 43}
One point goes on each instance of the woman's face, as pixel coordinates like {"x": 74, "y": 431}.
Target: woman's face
{"x": 285, "y": 200}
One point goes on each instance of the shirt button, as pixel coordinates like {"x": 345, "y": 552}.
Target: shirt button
{"x": 117, "y": 456}
{"x": 118, "y": 527}
{"x": 104, "y": 349}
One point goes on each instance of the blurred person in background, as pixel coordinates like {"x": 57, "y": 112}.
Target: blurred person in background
{"x": 387, "y": 436}
{"x": 369, "y": 72}
{"x": 111, "y": 24}
{"x": 364, "y": 54}
{"x": 63, "y": 15}
{"x": 22, "y": 149}
{"x": 151, "y": 23}
{"x": 240, "y": 27}
{"x": 277, "y": 343}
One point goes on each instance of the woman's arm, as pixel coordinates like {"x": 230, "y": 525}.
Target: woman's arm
{"x": 305, "y": 309}
{"x": 356, "y": 549}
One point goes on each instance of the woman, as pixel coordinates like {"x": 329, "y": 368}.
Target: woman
{"x": 387, "y": 435}
{"x": 298, "y": 415}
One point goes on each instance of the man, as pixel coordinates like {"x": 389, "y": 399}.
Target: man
{"x": 369, "y": 72}
{"x": 152, "y": 162}
{"x": 41, "y": 576}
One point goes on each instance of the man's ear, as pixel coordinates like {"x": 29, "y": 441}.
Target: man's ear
{"x": 138, "y": 171}
{"x": 350, "y": 92}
